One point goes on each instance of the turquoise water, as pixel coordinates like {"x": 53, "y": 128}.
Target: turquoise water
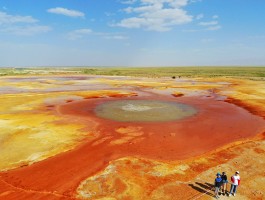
{"x": 144, "y": 111}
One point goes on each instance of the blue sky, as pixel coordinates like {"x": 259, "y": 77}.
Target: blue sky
{"x": 132, "y": 32}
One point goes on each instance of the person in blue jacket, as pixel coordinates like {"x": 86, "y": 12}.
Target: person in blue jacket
{"x": 217, "y": 184}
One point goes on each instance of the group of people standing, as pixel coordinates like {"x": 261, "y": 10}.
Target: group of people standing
{"x": 221, "y": 182}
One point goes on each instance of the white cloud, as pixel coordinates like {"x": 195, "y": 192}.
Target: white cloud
{"x": 115, "y": 37}
{"x": 215, "y": 17}
{"x": 191, "y": 30}
{"x": 66, "y": 12}
{"x": 111, "y": 36}
{"x": 195, "y": 1}
{"x": 257, "y": 37}
{"x": 213, "y": 28}
{"x": 156, "y": 15}
{"x": 26, "y": 30}
{"x": 21, "y": 25}
{"x": 128, "y": 2}
{"x": 109, "y": 14}
{"x": 210, "y": 23}
{"x": 200, "y": 16}
{"x": 79, "y": 33}
{"x": 12, "y": 19}
{"x": 207, "y": 40}
{"x": 208, "y": 28}
{"x": 83, "y": 31}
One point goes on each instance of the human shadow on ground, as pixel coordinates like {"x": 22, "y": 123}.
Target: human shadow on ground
{"x": 203, "y": 188}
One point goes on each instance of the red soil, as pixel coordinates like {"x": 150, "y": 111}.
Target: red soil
{"x": 248, "y": 107}
{"x": 178, "y": 95}
{"x": 216, "y": 124}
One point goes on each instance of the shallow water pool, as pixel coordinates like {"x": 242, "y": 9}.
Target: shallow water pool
{"x": 144, "y": 110}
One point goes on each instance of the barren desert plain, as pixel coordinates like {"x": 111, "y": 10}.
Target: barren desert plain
{"x": 131, "y": 134}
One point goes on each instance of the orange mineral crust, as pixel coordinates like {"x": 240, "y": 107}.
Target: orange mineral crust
{"x": 215, "y": 124}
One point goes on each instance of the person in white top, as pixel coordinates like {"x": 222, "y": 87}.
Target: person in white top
{"x": 235, "y": 182}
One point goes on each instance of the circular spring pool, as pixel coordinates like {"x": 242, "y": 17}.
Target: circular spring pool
{"x": 144, "y": 110}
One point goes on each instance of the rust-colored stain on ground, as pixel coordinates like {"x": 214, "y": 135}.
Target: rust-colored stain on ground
{"x": 55, "y": 146}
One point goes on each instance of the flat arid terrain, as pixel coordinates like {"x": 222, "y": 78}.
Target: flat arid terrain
{"x": 131, "y": 133}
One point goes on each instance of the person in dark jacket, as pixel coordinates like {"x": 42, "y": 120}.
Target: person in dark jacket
{"x": 225, "y": 181}
{"x": 217, "y": 184}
